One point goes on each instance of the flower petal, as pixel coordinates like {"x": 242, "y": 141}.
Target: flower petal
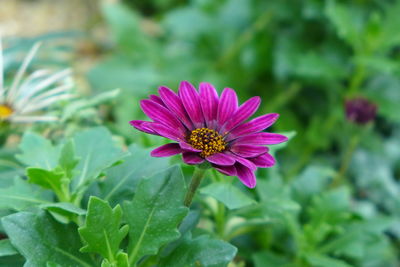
{"x": 245, "y": 111}
{"x": 209, "y": 104}
{"x": 160, "y": 114}
{"x": 190, "y": 100}
{"x": 166, "y": 150}
{"x": 253, "y": 126}
{"x": 192, "y": 158}
{"x": 243, "y": 161}
{"x": 264, "y": 161}
{"x": 185, "y": 146}
{"x": 226, "y": 170}
{"x": 227, "y": 105}
{"x": 248, "y": 151}
{"x": 262, "y": 138}
{"x": 246, "y": 175}
{"x": 174, "y": 103}
{"x": 157, "y": 99}
{"x": 221, "y": 159}
{"x": 142, "y": 126}
{"x": 166, "y": 131}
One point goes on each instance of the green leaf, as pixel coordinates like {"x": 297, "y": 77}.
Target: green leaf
{"x": 41, "y": 239}
{"x": 348, "y": 21}
{"x": 97, "y": 151}
{"x": 357, "y": 237}
{"x": 63, "y": 208}
{"x": 102, "y": 233}
{"x": 6, "y": 249}
{"x": 267, "y": 258}
{"x": 14, "y": 260}
{"x": 67, "y": 161}
{"x": 38, "y": 152}
{"x": 122, "y": 179}
{"x": 63, "y": 212}
{"x": 200, "y": 251}
{"x": 121, "y": 261}
{"x": 44, "y": 178}
{"x": 331, "y": 206}
{"x": 22, "y": 195}
{"x": 318, "y": 260}
{"x": 313, "y": 180}
{"x": 126, "y": 30}
{"x": 155, "y": 212}
{"x": 187, "y": 225}
{"x": 228, "y": 194}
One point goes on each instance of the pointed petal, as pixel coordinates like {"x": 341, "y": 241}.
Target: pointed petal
{"x": 39, "y": 81}
{"x": 44, "y": 103}
{"x": 31, "y": 119}
{"x": 227, "y": 105}
{"x": 245, "y": 111}
{"x": 226, "y": 170}
{"x": 157, "y": 99}
{"x": 246, "y": 175}
{"x": 13, "y": 91}
{"x": 166, "y": 150}
{"x": 185, "y": 146}
{"x": 166, "y": 131}
{"x": 248, "y": 151}
{"x": 160, "y": 114}
{"x": 264, "y": 161}
{"x": 253, "y": 126}
{"x": 221, "y": 159}
{"x": 243, "y": 161}
{"x": 262, "y": 138}
{"x": 190, "y": 100}
{"x": 209, "y": 104}
{"x": 192, "y": 158}
{"x": 141, "y": 126}
{"x": 174, "y": 103}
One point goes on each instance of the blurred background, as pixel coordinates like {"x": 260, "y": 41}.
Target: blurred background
{"x": 324, "y": 66}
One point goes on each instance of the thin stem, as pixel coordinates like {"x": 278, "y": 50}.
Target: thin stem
{"x": 220, "y": 220}
{"x": 338, "y": 180}
{"x": 357, "y": 79}
{"x": 194, "y": 184}
{"x": 244, "y": 38}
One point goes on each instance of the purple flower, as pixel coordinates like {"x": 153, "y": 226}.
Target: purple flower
{"x": 360, "y": 110}
{"x": 206, "y": 127}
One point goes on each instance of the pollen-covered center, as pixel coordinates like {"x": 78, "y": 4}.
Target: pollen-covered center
{"x": 5, "y": 112}
{"x": 207, "y": 140}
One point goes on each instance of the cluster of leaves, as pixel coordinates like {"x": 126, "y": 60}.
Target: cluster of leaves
{"x": 80, "y": 205}
{"x": 86, "y": 202}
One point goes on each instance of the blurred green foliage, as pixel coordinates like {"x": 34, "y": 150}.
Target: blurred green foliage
{"x": 334, "y": 198}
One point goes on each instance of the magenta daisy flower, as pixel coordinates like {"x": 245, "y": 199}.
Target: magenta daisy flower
{"x": 209, "y": 128}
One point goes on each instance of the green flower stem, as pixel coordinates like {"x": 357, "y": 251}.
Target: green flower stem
{"x": 244, "y": 39}
{"x": 339, "y": 178}
{"x": 4, "y": 131}
{"x": 357, "y": 79}
{"x": 194, "y": 184}
{"x": 220, "y": 220}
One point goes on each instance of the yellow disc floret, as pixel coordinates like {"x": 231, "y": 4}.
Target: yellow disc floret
{"x": 207, "y": 140}
{"x": 5, "y": 112}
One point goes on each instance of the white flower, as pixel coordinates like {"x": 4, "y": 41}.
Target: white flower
{"x": 26, "y": 99}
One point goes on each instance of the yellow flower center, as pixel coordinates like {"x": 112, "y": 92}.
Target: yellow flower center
{"x": 206, "y": 140}
{"x": 5, "y": 111}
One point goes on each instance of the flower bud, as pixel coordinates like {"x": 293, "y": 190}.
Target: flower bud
{"x": 360, "y": 110}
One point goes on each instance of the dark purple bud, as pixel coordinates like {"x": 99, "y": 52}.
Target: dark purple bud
{"x": 360, "y": 110}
